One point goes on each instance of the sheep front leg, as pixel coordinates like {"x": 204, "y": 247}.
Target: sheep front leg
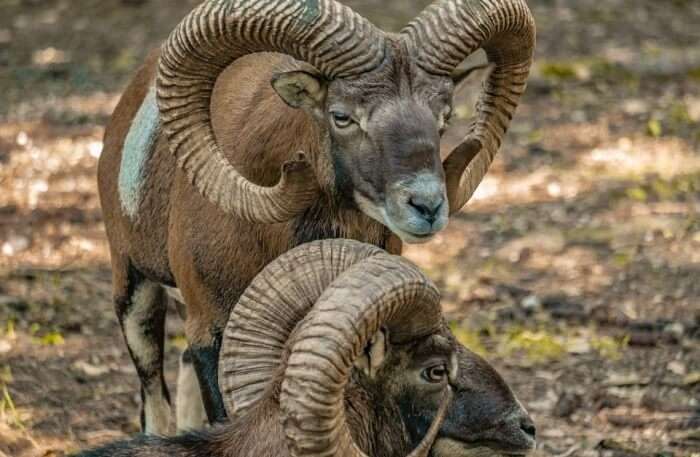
{"x": 203, "y": 329}
{"x": 205, "y": 358}
{"x": 205, "y": 318}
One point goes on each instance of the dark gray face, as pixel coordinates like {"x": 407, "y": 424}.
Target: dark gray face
{"x": 484, "y": 419}
{"x": 384, "y": 129}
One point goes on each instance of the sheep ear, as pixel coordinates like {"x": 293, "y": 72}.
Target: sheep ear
{"x": 375, "y": 354}
{"x": 299, "y": 89}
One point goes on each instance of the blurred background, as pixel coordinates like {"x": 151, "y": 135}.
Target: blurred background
{"x": 575, "y": 270}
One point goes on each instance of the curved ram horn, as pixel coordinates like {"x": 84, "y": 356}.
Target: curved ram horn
{"x": 276, "y": 301}
{"x": 382, "y": 291}
{"x": 441, "y": 38}
{"x": 329, "y": 36}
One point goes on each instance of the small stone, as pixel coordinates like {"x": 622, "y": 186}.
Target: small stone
{"x": 625, "y": 380}
{"x": 49, "y": 56}
{"x": 578, "y": 346}
{"x": 554, "y": 189}
{"x": 90, "y": 370}
{"x": 531, "y": 303}
{"x": 676, "y": 329}
{"x": 635, "y": 106}
{"x": 95, "y": 149}
{"x": 677, "y": 367}
{"x": 15, "y": 244}
{"x": 22, "y": 138}
{"x": 692, "y": 379}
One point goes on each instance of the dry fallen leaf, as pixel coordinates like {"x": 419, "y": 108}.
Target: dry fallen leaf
{"x": 692, "y": 378}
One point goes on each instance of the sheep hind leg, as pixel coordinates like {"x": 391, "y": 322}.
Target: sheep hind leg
{"x": 190, "y": 408}
{"x": 141, "y": 310}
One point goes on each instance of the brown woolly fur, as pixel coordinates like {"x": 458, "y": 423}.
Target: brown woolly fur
{"x": 263, "y": 125}
{"x": 360, "y": 364}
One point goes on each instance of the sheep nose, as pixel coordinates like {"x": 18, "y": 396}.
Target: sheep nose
{"x": 427, "y": 208}
{"x": 528, "y": 427}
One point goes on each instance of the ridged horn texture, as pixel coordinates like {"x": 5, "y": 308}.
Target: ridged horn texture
{"x": 442, "y": 37}
{"x": 329, "y": 36}
{"x": 266, "y": 314}
{"x": 382, "y": 291}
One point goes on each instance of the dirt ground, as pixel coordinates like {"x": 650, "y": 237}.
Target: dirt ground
{"x": 575, "y": 270}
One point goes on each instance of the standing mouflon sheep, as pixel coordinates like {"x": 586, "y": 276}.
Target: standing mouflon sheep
{"x": 340, "y": 349}
{"x": 201, "y": 183}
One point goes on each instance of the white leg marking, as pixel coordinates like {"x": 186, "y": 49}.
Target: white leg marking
{"x": 145, "y": 351}
{"x": 141, "y": 311}
{"x": 157, "y": 412}
{"x": 190, "y": 408}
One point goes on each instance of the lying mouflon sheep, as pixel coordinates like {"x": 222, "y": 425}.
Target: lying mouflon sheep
{"x": 202, "y": 185}
{"x": 340, "y": 349}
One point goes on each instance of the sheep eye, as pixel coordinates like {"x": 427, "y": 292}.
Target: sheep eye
{"x": 438, "y": 373}
{"x": 342, "y": 120}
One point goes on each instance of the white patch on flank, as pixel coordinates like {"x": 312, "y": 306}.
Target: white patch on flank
{"x": 189, "y": 406}
{"x": 138, "y": 145}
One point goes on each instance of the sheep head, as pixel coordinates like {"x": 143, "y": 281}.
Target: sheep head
{"x": 484, "y": 417}
{"x": 334, "y": 317}
{"x": 380, "y": 137}
{"x": 382, "y": 101}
